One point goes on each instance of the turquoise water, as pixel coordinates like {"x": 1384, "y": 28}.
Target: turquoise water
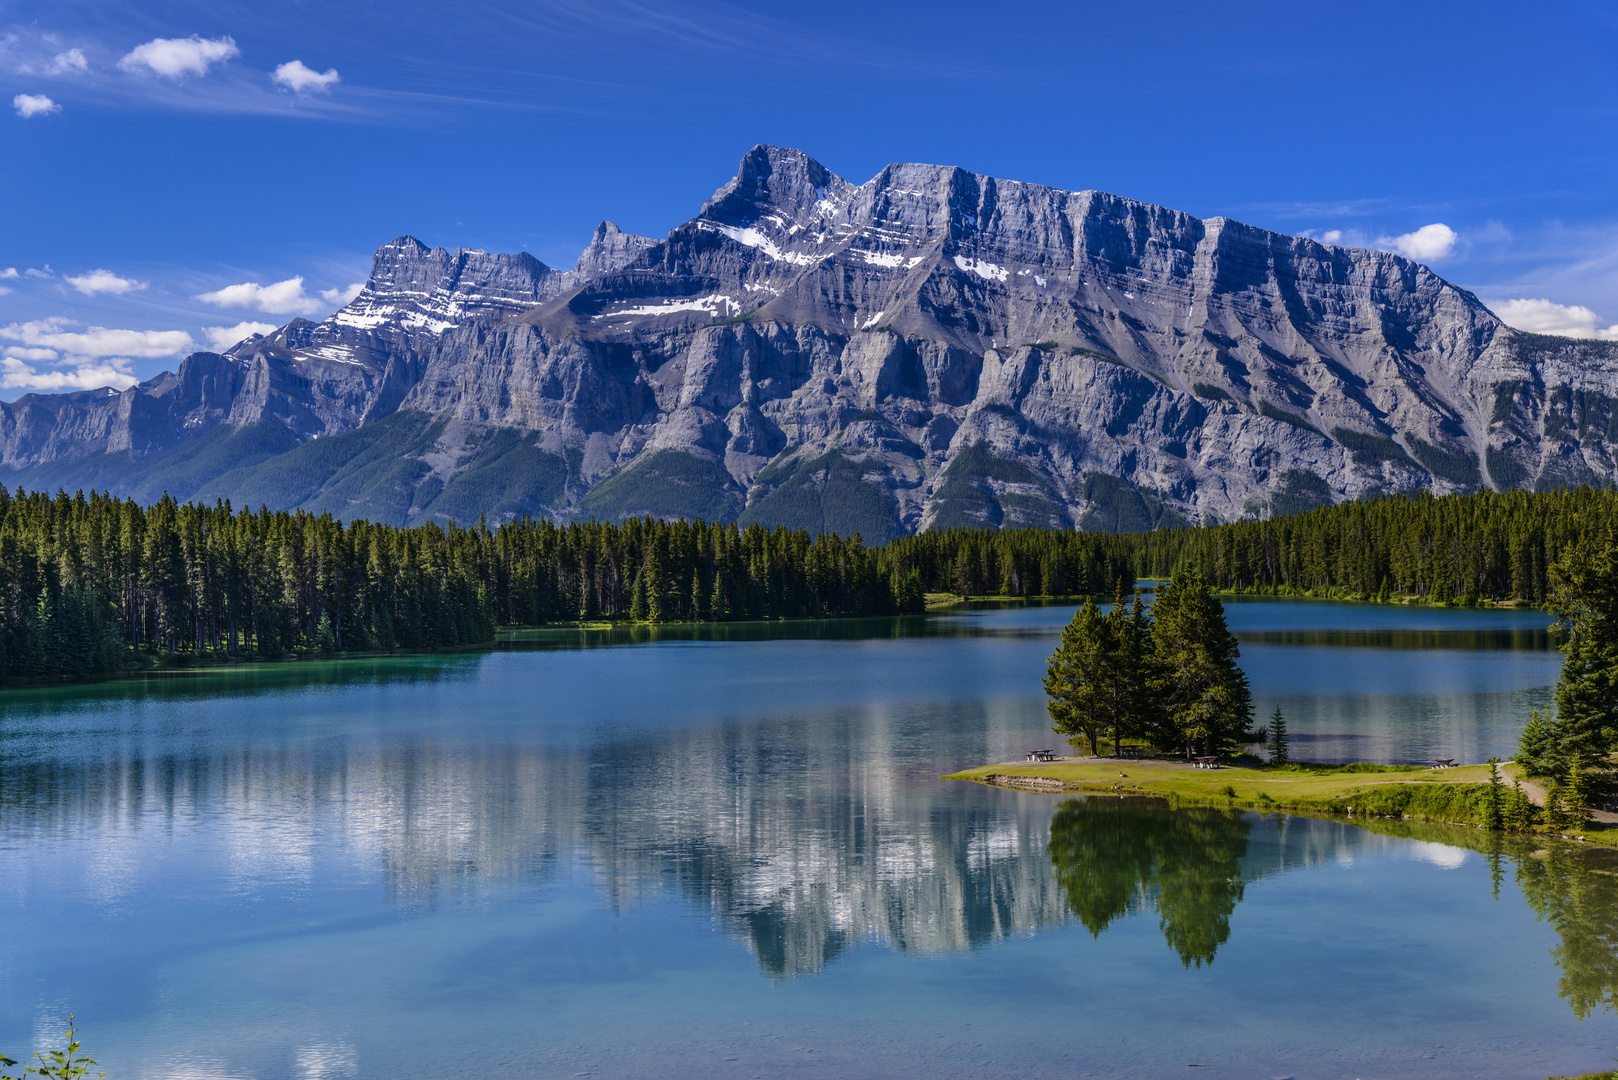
{"x": 726, "y": 853}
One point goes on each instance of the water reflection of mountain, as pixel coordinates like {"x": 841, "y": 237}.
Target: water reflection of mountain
{"x": 805, "y": 840}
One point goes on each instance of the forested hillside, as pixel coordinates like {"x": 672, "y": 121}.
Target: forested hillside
{"x": 1492, "y": 545}
{"x": 92, "y": 586}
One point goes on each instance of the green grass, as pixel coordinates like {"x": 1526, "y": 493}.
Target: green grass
{"x": 827, "y": 494}
{"x": 666, "y": 484}
{"x": 1361, "y": 789}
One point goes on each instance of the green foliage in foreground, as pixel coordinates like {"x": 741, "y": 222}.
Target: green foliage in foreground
{"x": 64, "y": 1064}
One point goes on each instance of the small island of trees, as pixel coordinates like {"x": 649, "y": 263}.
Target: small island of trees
{"x": 1167, "y": 675}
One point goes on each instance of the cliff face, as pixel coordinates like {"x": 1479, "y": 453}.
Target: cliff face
{"x": 932, "y": 347}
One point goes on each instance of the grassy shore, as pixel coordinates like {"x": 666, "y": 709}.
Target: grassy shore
{"x": 1413, "y": 792}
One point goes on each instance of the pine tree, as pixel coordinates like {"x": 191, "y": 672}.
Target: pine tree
{"x": 1576, "y": 793}
{"x": 1585, "y": 599}
{"x": 1519, "y": 812}
{"x": 1203, "y": 688}
{"x": 1494, "y": 801}
{"x": 637, "y": 598}
{"x": 1537, "y": 749}
{"x": 1278, "y": 747}
{"x": 1556, "y": 815}
{"x": 1076, "y": 677}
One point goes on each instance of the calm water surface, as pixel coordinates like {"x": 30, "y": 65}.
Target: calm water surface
{"x": 725, "y": 853}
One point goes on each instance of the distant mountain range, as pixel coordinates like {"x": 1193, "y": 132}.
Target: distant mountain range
{"x": 930, "y": 348}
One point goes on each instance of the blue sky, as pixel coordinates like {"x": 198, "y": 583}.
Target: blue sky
{"x": 155, "y": 154}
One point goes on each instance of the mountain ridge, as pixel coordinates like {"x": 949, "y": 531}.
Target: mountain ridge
{"x": 930, "y": 348}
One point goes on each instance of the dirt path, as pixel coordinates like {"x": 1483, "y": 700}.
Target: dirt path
{"x": 1536, "y": 795}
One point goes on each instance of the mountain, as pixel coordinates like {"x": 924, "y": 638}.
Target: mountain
{"x": 930, "y": 348}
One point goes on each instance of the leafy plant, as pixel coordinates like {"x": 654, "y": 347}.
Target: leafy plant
{"x": 64, "y": 1064}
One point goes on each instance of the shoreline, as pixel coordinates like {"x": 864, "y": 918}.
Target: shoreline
{"x": 1452, "y": 796}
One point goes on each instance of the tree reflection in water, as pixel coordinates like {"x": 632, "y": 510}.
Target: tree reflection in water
{"x": 1115, "y": 857}
{"x": 1575, "y": 890}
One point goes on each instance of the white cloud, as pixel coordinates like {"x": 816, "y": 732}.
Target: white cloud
{"x": 175, "y": 58}
{"x": 8, "y": 272}
{"x": 1435, "y": 241}
{"x": 29, "y": 105}
{"x": 4, "y": 291}
{"x": 1331, "y": 236}
{"x": 17, "y": 374}
{"x": 342, "y": 297}
{"x": 45, "y": 273}
{"x": 19, "y": 352}
{"x": 283, "y": 298}
{"x": 71, "y": 62}
{"x": 98, "y": 341}
{"x": 221, "y": 338}
{"x": 1548, "y": 317}
{"x": 103, "y": 281}
{"x": 296, "y": 76}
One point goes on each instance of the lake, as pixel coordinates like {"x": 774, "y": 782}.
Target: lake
{"x": 724, "y": 852}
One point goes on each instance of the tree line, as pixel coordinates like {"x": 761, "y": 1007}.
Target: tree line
{"x": 90, "y": 585}
{"x": 93, "y": 585}
{"x": 1455, "y": 548}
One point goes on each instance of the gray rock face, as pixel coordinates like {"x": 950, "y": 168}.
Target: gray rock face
{"x": 931, "y": 347}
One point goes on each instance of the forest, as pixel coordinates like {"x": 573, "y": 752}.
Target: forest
{"x": 94, "y": 585}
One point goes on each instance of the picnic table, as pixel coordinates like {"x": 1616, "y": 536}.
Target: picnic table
{"x": 1207, "y": 762}
{"x": 1042, "y": 755}
{"x": 1131, "y": 751}
{"x": 1444, "y": 763}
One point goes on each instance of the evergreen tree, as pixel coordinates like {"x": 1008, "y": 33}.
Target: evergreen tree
{"x": 1494, "y": 806}
{"x": 1576, "y": 793}
{"x": 637, "y": 598}
{"x": 1538, "y": 746}
{"x": 1278, "y": 746}
{"x": 1202, "y": 686}
{"x": 1556, "y": 816}
{"x": 1519, "y": 811}
{"x": 1077, "y": 677}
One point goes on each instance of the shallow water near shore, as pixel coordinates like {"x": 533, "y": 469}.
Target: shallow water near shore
{"x": 725, "y": 852}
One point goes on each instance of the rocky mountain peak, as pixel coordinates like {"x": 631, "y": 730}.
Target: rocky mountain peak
{"x": 610, "y": 250}
{"x": 773, "y": 182}
{"x": 931, "y": 347}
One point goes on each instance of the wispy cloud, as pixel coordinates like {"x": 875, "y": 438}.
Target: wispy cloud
{"x": 221, "y": 338}
{"x": 296, "y": 76}
{"x": 18, "y": 374}
{"x": 103, "y": 281}
{"x": 1547, "y": 317}
{"x": 31, "y": 105}
{"x": 52, "y": 356}
{"x": 342, "y": 297}
{"x": 98, "y": 341}
{"x": 71, "y": 62}
{"x": 1426, "y": 244}
{"x": 176, "y": 58}
{"x": 282, "y": 298}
